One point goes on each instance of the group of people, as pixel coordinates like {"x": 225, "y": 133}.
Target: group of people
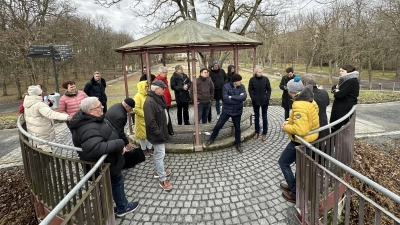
{"x": 98, "y": 131}
{"x": 308, "y": 112}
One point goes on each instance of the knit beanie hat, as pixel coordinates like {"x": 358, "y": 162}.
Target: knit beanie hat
{"x": 34, "y": 91}
{"x": 130, "y": 102}
{"x": 295, "y": 85}
{"x": 236, "y": 77}
{"x": 214, "y": 63}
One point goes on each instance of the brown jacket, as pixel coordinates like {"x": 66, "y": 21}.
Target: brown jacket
{"x": 205, "y": 90}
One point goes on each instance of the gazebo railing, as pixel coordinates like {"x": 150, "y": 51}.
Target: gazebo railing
{"x": 322, "y": 180}
{"x": 66, "y": 190}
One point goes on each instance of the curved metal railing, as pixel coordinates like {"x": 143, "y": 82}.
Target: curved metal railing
{"x": 66, "y": 190}
{"x": 323, "y": 174}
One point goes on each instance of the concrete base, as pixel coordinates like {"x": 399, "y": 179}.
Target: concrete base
{"x": 191, "y": 148}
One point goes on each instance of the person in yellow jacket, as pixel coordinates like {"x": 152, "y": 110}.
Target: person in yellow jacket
{"x": 303, "y": 119}
{"x": 140, "y": 126}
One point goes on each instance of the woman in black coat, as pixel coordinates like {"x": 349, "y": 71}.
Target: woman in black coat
{"x": 345, "y": 93}
{"x": 181, "y": 84}
{"x": 260, "y": 93}
{"x": 321, "y": 97}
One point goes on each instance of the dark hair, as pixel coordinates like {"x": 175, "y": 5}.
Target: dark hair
{"x": 349, "y": 68}
{"x": 290, "y": 69}
{"x": 203, "y": 70}
{"x": 66, "y": 83}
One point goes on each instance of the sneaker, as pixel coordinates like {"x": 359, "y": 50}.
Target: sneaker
{"x": 207, "y": 133}
{"x": 132, "y": 206}
{"x": 168, "y": 172}
{"x": 166, "y": 185}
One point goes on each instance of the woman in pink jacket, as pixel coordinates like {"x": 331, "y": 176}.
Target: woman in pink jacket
{"x": 70, "y": 101}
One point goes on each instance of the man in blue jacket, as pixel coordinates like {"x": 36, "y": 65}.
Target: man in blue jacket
{"x": 233, "y": 95}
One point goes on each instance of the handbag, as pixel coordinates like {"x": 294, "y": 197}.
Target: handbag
{"x": 133, "y": 157}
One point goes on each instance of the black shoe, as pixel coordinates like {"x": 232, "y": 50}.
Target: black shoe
{"x": 239, "y": 148}
{"x": 171, "y": 133}
{"x": 209, "y": 143}
{"x": 188, "y": 123}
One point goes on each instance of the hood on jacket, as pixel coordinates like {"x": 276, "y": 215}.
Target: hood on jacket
{"x": 30, "y": 100}
{"x": 306, "y": 94}
{"x": 229, "y": 69}
{"x": 80, "y": 118}
{"x": 141, "y": 86}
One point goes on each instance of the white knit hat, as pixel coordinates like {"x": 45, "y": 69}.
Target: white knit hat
{"x": 34, "y": 90}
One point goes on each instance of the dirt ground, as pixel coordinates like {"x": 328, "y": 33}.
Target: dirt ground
{"x": 376, "y": 158}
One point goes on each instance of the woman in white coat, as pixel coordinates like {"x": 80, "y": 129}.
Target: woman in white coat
{"x": 39, "y": 117}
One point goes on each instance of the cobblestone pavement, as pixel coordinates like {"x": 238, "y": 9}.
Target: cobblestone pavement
{"x": 220, "y": 187}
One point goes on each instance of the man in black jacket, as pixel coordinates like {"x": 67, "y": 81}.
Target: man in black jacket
{"x": 96, "y": 87}
{"x": 156, "y": 120}
{"x": 181, "y": 83}
{"x": 286, "y": 99}
{"x": 219, "y": 78}
{"x": 144, "y": 75}
{"x": 96, "y": 136}
{"x": 117, "y": 115}
{"x": 260, "y": 93}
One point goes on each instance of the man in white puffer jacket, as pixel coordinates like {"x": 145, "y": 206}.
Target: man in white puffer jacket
{"x": 39, "y": 117}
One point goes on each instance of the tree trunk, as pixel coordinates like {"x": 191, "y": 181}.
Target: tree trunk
{"x": 19, "y": 94}
{"x": 4, "y": 88}
{"x": 398, "y": 71}
{"x": 369, "y": 73}
{"x": 330, "y": 71}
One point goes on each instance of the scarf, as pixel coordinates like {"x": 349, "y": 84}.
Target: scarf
{"x": 71, "y": 94}
{"x": 346, "y": 77}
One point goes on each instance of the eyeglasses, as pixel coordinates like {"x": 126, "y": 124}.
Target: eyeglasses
{"x": 98, "y": 107}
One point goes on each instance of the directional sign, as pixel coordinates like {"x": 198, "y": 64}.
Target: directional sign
{"x": 40, "y": 51}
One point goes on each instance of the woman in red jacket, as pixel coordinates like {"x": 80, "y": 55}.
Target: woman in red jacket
{"x": 70, "y": 101}
{"x": 162, "y": 75}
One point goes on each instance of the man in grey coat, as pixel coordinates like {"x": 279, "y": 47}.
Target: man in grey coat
{"x": 156, "y": 119}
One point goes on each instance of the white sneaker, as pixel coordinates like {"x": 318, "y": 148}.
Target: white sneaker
{"x": 207, "y": 133}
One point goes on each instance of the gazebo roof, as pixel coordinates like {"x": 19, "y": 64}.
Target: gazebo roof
{"x": 186, "y": 34}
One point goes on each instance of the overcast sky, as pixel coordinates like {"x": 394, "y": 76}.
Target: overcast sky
{"x": 120, "y": 16}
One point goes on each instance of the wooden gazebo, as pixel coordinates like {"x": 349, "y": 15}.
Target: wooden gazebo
{"x": 188, "y": 37}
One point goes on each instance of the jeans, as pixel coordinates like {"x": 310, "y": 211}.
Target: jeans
{"x": 203, "y": 110}
{"x": 221, "y": 122}
{"x": 287, "y": 109}
{"x": 159, "y": 154}
{"x": 264, "y": 110}
{"x": 170, "y": 128}
{"x": 217, "y": 108}
{"x": 145, "y": 144}
{"x": 185, "y": 107}
{"x": 287, "y": 158}
{"x": 118, "y": 192}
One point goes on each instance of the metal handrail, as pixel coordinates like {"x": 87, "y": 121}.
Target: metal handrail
{"x": 53, "y": 213}
{"x": 43, "y": 141}
{"x": 363, "y": 178}
{"x": 334, "y": 123}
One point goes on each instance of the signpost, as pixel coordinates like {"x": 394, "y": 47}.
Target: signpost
{"x": 56, "y": 52}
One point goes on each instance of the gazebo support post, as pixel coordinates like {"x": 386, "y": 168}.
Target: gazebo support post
{"x": 141, "y": 63}
{"x": 197, "y": 146}
{"x": 163, "y": 58}
{"x": 148, "y": 69}
{"x": 236, "y": 58}
{"x": 126, "y": 89}
{"x": 187, "y": 57}
{"x": 254, "y": 57}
